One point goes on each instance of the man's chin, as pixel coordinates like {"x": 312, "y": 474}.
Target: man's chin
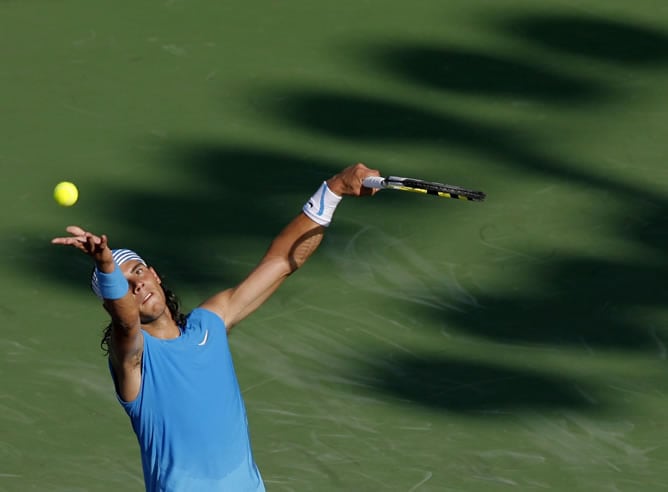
{"x": 148, "y": 318}
{"x": 145, "y": 320}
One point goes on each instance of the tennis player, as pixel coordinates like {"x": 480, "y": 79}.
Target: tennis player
{"x": 173, "y": 374}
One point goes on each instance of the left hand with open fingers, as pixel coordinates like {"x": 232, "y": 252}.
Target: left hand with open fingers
{"x": 91, "y": 244}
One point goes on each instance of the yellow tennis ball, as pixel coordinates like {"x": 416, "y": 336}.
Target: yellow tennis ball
{"x": 65, "y": 194}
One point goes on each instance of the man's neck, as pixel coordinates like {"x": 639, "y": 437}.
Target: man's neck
{"x": 164, "y": 328}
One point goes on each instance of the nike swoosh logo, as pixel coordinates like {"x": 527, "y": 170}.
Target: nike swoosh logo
{"x": 206, "y": 336}
{"x": 322, "y": 202}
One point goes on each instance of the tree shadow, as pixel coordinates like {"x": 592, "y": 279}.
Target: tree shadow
{"x": 574, "y": 300}
{"x": 183, "y": 232}
{"x": 474, "y": 387}
{"x": 594, "y": 38}
{"x": 470, "y": 72}
{"x": 379, "y": 120}
{"x": 584, "y": 302}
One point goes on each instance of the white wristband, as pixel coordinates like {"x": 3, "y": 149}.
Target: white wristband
{"x": 320, "y": 207}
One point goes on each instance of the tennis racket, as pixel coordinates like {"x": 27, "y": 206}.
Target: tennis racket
{"x": 422, "y": 186}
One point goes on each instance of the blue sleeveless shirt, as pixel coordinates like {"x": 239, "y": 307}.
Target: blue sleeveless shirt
{"x": 189, "y": 416}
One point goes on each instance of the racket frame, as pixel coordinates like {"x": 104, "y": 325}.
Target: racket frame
{"x": 415, "y": 185}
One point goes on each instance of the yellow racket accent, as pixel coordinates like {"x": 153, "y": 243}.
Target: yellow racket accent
{"x": 442, "y": 194}
{"x": 407, "y": 188}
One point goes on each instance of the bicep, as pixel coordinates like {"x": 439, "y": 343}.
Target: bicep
{"x": 287, "y": 252}
{"x": 126, "y": 344}
{"x": 234, "y": 304}
{"x": 126, "y": 357}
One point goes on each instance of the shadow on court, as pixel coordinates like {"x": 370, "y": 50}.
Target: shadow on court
{"x": 583, "y": 301}
{"x": 593, "y": 38}
{"x": 477, "y": 73}
{"x": 558, "y": 40}
{"x": 475, "y": 387}
{"x": 183, "y": 233}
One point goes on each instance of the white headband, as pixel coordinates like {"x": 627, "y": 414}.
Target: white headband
{"x": 120, "y": 256}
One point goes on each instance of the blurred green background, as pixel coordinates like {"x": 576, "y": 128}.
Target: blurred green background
{"x": 429, "y": 345}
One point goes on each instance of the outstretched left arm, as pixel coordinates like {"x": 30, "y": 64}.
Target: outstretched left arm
{"x": 287, "y": 252}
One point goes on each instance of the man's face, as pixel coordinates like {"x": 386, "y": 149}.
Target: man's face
{"x": 145, "y": 287}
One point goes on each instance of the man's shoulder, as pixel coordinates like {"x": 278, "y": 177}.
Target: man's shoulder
{"x": 204, "y": 318}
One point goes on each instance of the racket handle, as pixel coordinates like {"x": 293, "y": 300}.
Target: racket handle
{"x": 374, "y": 182}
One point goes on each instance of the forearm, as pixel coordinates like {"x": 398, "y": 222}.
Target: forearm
{"x": 121, "y": 306}
{"x": 289, "y": 251}
{"x": 303, "y": 235}
{"x": 296, "y": 243}
{"x": 125, "y": 328}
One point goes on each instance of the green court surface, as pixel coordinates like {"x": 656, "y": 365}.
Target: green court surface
{"x": 430, "y": 344}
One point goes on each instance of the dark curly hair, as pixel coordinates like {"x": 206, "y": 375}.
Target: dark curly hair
{"x": 173, "y": 304}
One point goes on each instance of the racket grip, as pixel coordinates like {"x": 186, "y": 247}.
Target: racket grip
{"x": 374, "y": 182}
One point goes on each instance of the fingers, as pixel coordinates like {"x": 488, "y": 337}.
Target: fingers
{"x": 84, "y": 236}
{"x": 361, "y": 171}
{"x": 94, "y": 243}
{"x": 65, "y": 240}
{"x": 71, "y": 241}
{"x": 75, "y": 230}
{"x": 364, "y": 191}
{"x": 349, "y": 181}
{"x": 83, "y": 240}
